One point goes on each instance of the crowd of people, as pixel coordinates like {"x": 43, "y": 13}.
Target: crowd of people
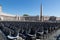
{"x": 27, "y": 30}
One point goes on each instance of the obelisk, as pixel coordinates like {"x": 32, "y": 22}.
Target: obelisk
{"x": 0, "y": 8}
{"x": 41, "y": 12}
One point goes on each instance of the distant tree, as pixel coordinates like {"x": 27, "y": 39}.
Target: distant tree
{"x": 25, "y": 15}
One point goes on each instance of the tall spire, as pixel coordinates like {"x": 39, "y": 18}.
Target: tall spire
{"x": 0, "y": 8}
{"x": 41, "y": 12}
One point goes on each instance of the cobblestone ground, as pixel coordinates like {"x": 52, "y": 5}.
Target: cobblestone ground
{"x": 53, "y": 35}
{"x": 2, "y": 37}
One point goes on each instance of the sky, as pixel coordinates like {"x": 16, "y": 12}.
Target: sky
{"x": 31, "y": 7}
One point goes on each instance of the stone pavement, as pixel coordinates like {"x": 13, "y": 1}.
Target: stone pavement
{"x": 53, "y": 35}
{"x": 2, "y": 36}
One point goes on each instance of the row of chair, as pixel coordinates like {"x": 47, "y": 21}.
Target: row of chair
{"x": 27, "y": 30}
